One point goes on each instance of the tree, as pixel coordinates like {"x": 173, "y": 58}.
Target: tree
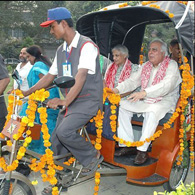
{"x": 27, "y": 42}
{"x": 26, "y": 16}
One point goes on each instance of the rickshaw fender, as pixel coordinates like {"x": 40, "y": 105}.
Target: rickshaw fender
{"x": 166, "y": 160}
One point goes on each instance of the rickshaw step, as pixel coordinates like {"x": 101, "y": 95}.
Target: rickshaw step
{"x": 129, "y": 160}
{"x": 155, "y": 178}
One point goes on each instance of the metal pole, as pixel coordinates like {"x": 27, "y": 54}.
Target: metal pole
{"x": 192, "y": 64}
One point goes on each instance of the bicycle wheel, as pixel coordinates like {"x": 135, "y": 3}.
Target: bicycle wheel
{"x": 19, "y": 185}
{"x": 16, "y": 188}
{"x": 178, "y": 173}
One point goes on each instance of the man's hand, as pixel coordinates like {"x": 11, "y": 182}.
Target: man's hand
{"x": 54, "y": 103}
{"x": 137, "y": 96}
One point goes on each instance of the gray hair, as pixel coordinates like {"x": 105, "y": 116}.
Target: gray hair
{"x": 163, "y": 45}
{"x": 121, "y": 48}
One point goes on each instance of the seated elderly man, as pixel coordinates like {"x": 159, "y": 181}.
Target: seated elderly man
{"x": 159, "y": 79}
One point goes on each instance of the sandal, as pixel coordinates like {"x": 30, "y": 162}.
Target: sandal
{"x": 47, "y": 190}
{"x": 92, "y": 167}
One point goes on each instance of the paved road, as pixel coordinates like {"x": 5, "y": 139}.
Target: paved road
{"x": 111, "y": 185}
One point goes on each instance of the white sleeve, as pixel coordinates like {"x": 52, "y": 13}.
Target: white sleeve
{"x": 131, "y": 83}
{"x": 88, "y": 58}
{"x": 53, "y": 69}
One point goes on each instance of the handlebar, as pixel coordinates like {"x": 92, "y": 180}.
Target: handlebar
{"x": 44, "y": 103}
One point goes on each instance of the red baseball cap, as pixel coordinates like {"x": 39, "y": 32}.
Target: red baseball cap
{"x": 59, "y": 13}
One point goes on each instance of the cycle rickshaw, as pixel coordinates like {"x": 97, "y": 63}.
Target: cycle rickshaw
{"x": 127, "y": 25}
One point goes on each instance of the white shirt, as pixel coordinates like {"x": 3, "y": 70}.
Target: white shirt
{"x": 87, "y": 58}
{"x": 23, "y": 73}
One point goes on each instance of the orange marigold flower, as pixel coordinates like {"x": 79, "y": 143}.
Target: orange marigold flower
{"x": 2, "y": 136}
{"x": 25, "y": 119}
{"x": 97, "y": 174}
{"x": 113, "y": 117}
{"x": 113, "y": 111}
{"x": 185, "y": 59}
{"x": 171, "y": 15}
{"x": 96, "y": 188}
{"x": 53, "y": 181}
{"x": 98, "y": 146}
{"x": 28, "y": 139}
{"x": 97, "y": 181}
{"x": 98, "y": 140}
{"x": 9, "y": 142}
{"x": 112, "y": 123}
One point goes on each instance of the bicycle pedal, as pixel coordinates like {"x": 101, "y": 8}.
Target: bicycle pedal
{"x": 6, "y": 148}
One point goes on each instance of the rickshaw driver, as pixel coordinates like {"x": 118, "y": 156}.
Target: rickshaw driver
{"x": 78, "y": 57}
{"x": 159, "y": 79}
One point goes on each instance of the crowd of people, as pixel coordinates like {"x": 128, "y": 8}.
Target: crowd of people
{"x": 151, "y": 90}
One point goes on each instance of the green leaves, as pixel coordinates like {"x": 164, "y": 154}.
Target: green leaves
{"x": 181, "y": 190}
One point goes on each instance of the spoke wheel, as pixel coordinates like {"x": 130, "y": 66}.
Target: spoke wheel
{"x": 178, "y": 173}
{"x": 17, "y": 187}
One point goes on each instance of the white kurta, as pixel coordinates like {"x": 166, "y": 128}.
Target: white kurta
{"x": 168, "y": 89}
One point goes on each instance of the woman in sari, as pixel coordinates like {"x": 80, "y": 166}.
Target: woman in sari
{"x": 40, "y": 68}
{"x": 120, "y": 69}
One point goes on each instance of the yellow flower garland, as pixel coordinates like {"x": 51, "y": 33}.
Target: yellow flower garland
{"x": 171, "y": 15}
{"x": 46, "y": 159}
{"x": 141, "y": 56}
{"x": 99, "y": 124}
{"x": 192, "y": 137}
{"x": 23, "y": 124}
{"x": 186, "y": 86}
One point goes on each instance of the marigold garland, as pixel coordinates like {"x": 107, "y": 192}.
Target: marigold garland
{"x": 171, "y": 15}
{"x": 47, "y": 158}
{"x": 192, "y": 136}
{"x": 97, "y": 143}
{"x": 69, "y": 161}
{"x": 23, "y": 124}
{"x": 186, "y": 86}
{"x": 141, "y": 56}
{"x": 123, "y": 5}
{"x": 28, "y": 121}
{"x": 99, "y": 125}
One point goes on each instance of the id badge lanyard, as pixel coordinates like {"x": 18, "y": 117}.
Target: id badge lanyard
{"x": 66, "y": 66}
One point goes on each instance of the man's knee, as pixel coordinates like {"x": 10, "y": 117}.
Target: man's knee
{"x": 150, "y": 116}
{"x": 64, "y": 133}
{"x": 123, "y": 112}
